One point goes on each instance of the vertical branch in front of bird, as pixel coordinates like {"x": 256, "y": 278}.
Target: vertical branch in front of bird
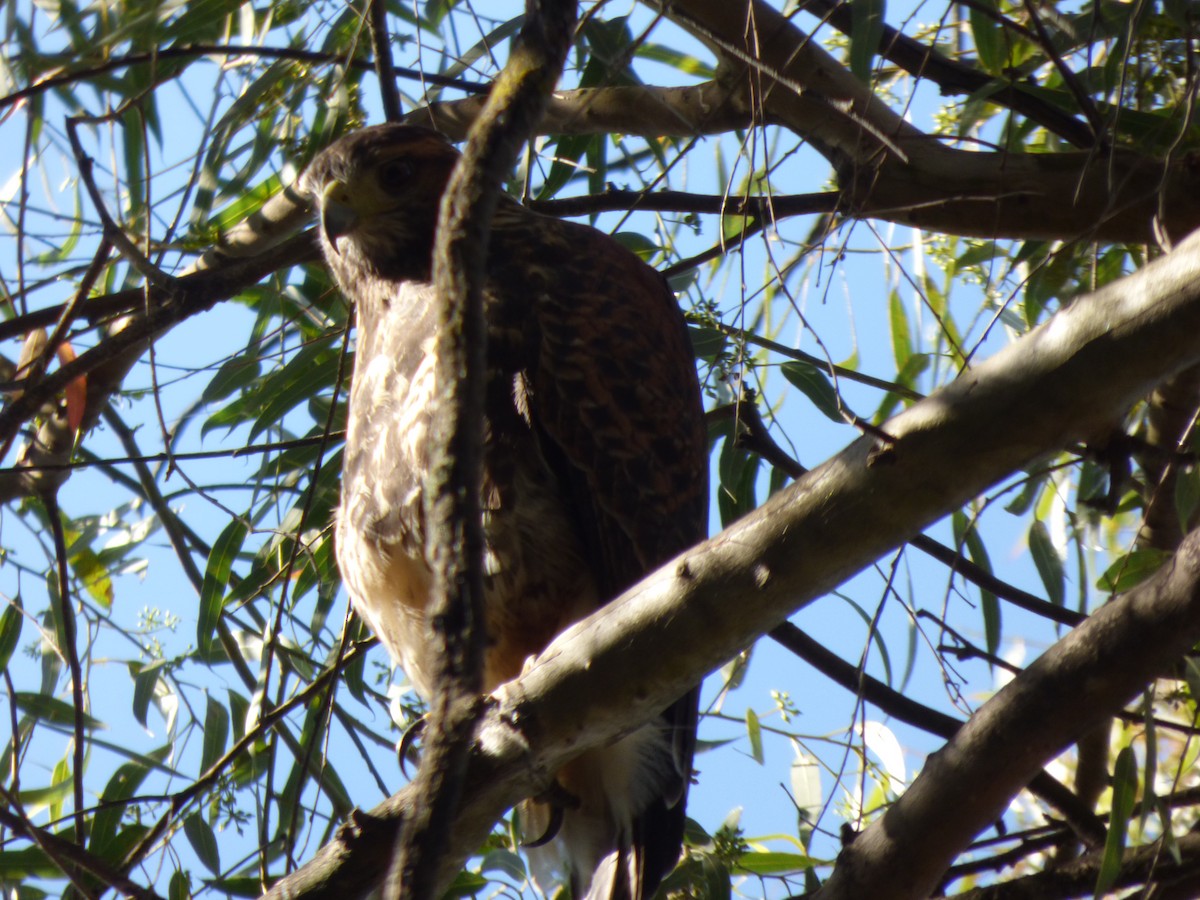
{"x": 452, "y": 496}
{"x": 385, "y": 69}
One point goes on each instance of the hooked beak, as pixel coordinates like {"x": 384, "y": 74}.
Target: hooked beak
{"x": 338, "y": 217}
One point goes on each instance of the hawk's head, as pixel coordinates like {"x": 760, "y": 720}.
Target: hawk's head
{"x": 376, "y": 194}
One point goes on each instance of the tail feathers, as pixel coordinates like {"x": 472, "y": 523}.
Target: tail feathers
{"x": 625, "y": 833}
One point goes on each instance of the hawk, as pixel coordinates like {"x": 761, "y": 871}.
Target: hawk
{"x": 595, "y": 464}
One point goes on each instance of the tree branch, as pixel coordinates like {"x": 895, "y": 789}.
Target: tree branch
{"x": 1112, "y": 195}
{"x": 455, "y": 480}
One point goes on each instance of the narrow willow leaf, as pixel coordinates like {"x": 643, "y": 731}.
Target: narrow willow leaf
{"x": 200, "y": 835}
{"x": 51, "y": 709}
{"x": 180, "y": 887}
{"x": 11, "y": 622}
{"x": 989, "y": 40}
{"x": 1049, "y": 564}
{"x": 773, "y": 863}
{"x": 216, "y": 578}
{"x": 93, "y": 574}
{"x": 1124, "y": 795}
{"x": 988, "y": 603}
{"x": 235, "y": 375}
{"x": 754, "y": 732}
{"x": 866, "y": 30}
{"x": 707, "y": 343}
{"x": 216, "y": 732}
{"x": 902, "y": 347}
{"x": 815, "y": 385}
{"x": 121, "y": 786}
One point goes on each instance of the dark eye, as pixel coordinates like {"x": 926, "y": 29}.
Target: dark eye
{"x": 395, "y": 175}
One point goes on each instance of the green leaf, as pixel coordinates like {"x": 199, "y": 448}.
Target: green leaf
{"x": 1187, "y": 496}
{"x": 180, "y": 887}
{"x": 466, "y": 884}
{"x": 754, "y": 732}
{"x": 235, "y": 375}
{"x": 989, "y": 38}
{"x": 637, "y": 243}
{"x": 145, "y": 681}
{"x": 968, "y": 536}
{"x": 121, "y": 786}
{"x": 30, "y": 862}
{"x": 93, "y": 573}
{"x": 738, "y": 473}
{"x": 1191, "y": 675}
{"x": 707, "y": 343}
{"x": 902, "y": 347}
{"x": 249, "y": 201}
{"x": 815, "y": 385}
{"x": 11, "y": 622}
{"x": 51, "y": 709}
{"x": 684, "y": 62}
{"x": 1132, "y": 569}
{"x": 1124, "y": 795}
{"x": 55, "y": 794}
{"x": 1048, "y": 562}
{"x": 567, "y": 153}
{"x": 200, "y": 835}
{"x": 1150, "y": 802}
{"x": 216, "y": 731}
{"x": 216, "y": 578}
{"x": 773, "y": 863}
{"x": 866, "y": 31}
{"x": 506, "y": 863}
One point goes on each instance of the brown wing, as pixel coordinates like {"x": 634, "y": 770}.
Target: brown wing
{"x": 614, "y": 389}
{"x": 615, "y": 401}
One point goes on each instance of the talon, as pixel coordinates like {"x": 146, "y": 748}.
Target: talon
{"x": 558, "y": 799}
{"x": 551, "y": 832}
{"x": 407, "y": 743}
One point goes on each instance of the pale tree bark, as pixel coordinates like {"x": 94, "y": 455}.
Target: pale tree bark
{"x": 607, "y": 674}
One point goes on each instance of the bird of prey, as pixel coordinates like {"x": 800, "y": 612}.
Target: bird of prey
{"x": 595, "y": 464}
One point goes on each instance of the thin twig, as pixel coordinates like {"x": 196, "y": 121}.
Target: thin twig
{"x": 1086, "y": 105}
{"x": 112, "y": 231}
{"x": 1082, "y": 820}
{"x": 192, "y": 50}
{"x": 757, "y": 437}
{"x": 71, "y": 653}
{"x": 180, "y": 800}
{"x": 954, "y": 77}
{"x": 70, "y": 859}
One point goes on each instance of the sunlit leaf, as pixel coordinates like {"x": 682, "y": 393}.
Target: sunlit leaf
{"x": 1132, "y": 569}
{"x": 773, "y": 863}
{"x": 754, "y": 733}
